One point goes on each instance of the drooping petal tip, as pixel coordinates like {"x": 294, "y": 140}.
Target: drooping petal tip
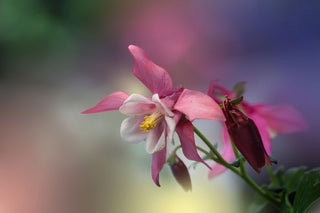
{"x": 184, "y": 130}
{"x": 158, "y": 160}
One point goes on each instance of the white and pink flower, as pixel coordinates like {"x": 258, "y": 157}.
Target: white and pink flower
{"x": 155, "y": 119}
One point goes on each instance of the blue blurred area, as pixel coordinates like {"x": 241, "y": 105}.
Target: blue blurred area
{"x": 58, "y": 58}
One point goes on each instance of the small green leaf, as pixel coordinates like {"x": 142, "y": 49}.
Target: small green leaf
{"x": 237, "y": 101}
{"x": 239, "y": 88}
{"x": 293, "y": 177}
{"x": 258, "y": 205}
{"x": 273, "y": 160}
{"x": 308, "y": 191}
{"x": 234, "y": 102}
{"x": 279, "y": 175}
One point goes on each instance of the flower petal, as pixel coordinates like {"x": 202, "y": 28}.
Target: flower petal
{"x": 158, "y": 160}
{"x": 110, "y": 102}
{"x": 186, "y": 135}
{"x": 197, "y": 105}
{"x": 155, "y": 78}
{"x": 170, "y": 128}
{"x": 227, "y": 153}
{"x": 156, "y": 99}
{"x": 130, "y": 130}
{"x": 156, "y": 139}
{"x": 263, "y": 130}
{"x": 137, "y": 104}
{"x": 282, "y": 119}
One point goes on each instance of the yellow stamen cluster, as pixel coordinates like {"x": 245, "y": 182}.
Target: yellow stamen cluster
{"x": 150, "y": 121}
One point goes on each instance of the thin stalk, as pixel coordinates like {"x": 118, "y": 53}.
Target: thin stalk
{"x": 210, "y": 146}
{"x": 207, "y": 153}
{"x": 273, "y": 177}
{"x": 236, "y": 153}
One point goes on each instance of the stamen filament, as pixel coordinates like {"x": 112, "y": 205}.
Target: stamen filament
{"x": 151, "y": 121}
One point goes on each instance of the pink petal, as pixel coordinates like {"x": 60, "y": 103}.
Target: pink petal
{"x": 130, "y": 130}
{"x": 197, "y": 105}
{"x": 186, "y": 135}
{"x": 155, "y": 78}
{"x": 158, "y": 160}
{"x": 137, "y": 104}
{"x": 282, "y": 119}
{"x": 111, "y": 102}
{"x": 263, "y": 130}
{"x": 156, "y": 139}
{"x": 227, "y": 153}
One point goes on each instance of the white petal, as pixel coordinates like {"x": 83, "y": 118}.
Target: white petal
{"x": 156, "y": 99}
{"x": 137, "y": 104}
{"x": 156, "y": 140}
{"x": 171, "y": 126}
{"x": 130, "y": 130}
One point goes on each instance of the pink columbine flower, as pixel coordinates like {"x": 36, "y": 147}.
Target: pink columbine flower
{"x": 270, "y": 120}
{"x": 155, "y": 119}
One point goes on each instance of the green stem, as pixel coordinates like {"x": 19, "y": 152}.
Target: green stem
{"x": 207, "y": 153}
{"x": 176, "y": 149}
{"x": 236, "y": 153}
{"x": 273, "y": 177}
{"x": 243, "y": 175}
{"x": 275, "y": 202}
{"x": 210, "y": 146}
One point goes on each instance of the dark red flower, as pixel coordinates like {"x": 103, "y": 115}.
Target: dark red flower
{"x": 245, "y": 135}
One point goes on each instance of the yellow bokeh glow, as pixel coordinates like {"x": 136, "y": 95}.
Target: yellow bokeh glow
{"x": 209, "y": 197}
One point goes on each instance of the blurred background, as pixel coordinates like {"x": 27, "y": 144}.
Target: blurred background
{"x": 58, "y": 58}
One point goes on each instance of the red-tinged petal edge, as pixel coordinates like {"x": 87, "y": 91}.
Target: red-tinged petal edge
{"x": 282, "y": 119}
{"x": 263, "y": 130}
{"x": 186, "y": 135}
{"x": 197, "y": 105}
{"x": 158, "y": 160}
{"x": 154, "y": 77}
{"x": 110, "y": 102}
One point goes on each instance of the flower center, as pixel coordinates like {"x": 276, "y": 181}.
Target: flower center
{"x": 150, "y": 121}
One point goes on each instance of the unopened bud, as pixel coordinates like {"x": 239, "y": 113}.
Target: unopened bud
{"x": 181, "y": 173}
{"x": 245, "y": 136}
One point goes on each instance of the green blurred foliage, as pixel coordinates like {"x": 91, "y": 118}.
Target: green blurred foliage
{"x": 34, "y": 26}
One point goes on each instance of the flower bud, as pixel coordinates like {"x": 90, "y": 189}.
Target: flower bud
{"x": 245, "y": 135}
{"x": 180, "y": 173}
